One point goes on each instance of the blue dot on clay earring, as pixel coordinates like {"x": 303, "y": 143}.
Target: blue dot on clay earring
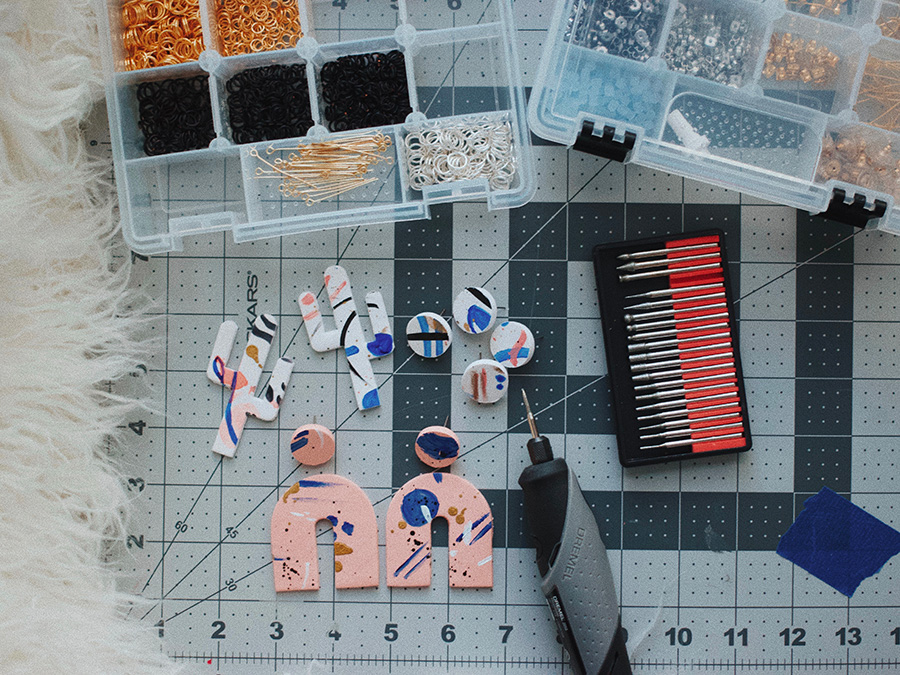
{"x": 485, "y": 381}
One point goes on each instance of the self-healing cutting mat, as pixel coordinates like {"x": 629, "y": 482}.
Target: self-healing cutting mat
{"x": 692, "y": 544}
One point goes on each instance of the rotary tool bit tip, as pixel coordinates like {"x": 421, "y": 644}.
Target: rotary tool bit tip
{"x": 532, "y": 425}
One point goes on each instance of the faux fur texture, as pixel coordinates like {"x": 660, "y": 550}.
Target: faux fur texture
{"x": 65, "y": 330}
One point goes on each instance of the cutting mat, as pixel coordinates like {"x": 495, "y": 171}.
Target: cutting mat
{"x": 691, "y": 545}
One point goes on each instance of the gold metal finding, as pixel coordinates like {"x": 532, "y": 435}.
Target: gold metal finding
{"x": 248, "y": 26}
{"x": 817, "y": 7}
{"x": 890, "y": 26}
{"x": 850, "y": 158}
{"x": 160, "y": 32}
{"x": 793, "y": 58}
{"x": 878, "y": 102}
{"x": 314, "y": 172}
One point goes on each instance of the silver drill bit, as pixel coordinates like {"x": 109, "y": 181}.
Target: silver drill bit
{"x": 671, "y": 311}
{"x": 665, "y": 292}
{"x": 661, "y": 262}
{"x": 663, "y": 374}
{"x": 637, "y": 255}
{"x": 684, "y": 333}
{"x": 671, "y": 363}
{"x": 675, "y": 393}
{"x": 673, "y": 301}
{"x": 686, "y": 422}
{"x": 690, "y": 441}
{"x": 682, "y": 412}
{"x": 660, "y": 344}
{"x": 637, "y": 276}
{"x": 654, "y": 325}
{"x": 662, "y": 313}
{"x": 669, "y": 405}
{"x": 678, "y": 433}
{"x": 666, "y": 353}
{"x": 679, "y": 381}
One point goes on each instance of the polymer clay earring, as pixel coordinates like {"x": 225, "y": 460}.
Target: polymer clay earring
{"x": 428, "y": 335}
{"x": 312, "y": 444}
{"x": 439, "y": 495}
{"x": 349, "y": 335}
{"x": 485, "y": 381}
{"x": 469, "y": 526}
{"x": 242, "y": 382}
{"x": 437, "y": 446}
{"x": 474, "y": 310}
{"x": 512, "y": 344}
{"x": 342, "y": 503}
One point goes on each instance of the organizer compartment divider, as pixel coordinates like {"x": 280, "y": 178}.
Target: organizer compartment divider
{"x": 478, "y": 37}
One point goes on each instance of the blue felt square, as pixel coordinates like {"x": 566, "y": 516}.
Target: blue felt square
{"x": 838, "y": 542}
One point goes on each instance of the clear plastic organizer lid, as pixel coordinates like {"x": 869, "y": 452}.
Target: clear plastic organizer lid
{"x": 267, "y": 118}
{"x": 793, "y": 101}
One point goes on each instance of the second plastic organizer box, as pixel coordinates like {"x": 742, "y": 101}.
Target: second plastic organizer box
{"x": 793, "y": 101}
{"x": 272, "y": 117}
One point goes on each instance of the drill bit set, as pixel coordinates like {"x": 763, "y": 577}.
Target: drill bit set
{"x": 671, "y": 347}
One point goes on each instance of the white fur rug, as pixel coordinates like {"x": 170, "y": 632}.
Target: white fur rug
{"x": 65, "y": 330}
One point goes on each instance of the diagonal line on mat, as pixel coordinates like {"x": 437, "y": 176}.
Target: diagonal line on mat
{"x": 549, "y": 220}
{"x": 380, "y": 188}
{"x": 183, "y": 520}
{"x": 216, "y": 547}
{"x": 475, "y": 448}
{"x": 453, "y": 65}
{"x": 536, "y": 415}
{"x": 386, "y": 380}
{"x": 296, "y": 332}
{"x": 376, "y": 503}
{"x": 318, "y": 295}
{"x": 253, "y": 510}
{"x": 214, "y": 593}
{"x": 797, "y": 266}
{"x": 427, "y": 108}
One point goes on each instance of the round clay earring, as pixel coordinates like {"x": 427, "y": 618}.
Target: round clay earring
{"x": 312, "y": 444}
{"x": 512, "y": 344}
{"x": 428, "y": 335}
{"x": 485, "y": 381}
{"x": 437, "y": 446}
{"x": 474, "y": 310}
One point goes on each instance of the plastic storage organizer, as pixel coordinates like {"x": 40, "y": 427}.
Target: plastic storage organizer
{"x": 461, "y": 69}
{"x": 793, "y": 101}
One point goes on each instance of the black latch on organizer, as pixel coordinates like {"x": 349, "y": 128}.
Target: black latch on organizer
{"x": 604, "y": 145}
{"x": 855, "y": 213}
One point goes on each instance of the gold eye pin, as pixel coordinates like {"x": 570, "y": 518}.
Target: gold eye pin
{"x": 315, "y": 172}
{"x": 878, "y": 102}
